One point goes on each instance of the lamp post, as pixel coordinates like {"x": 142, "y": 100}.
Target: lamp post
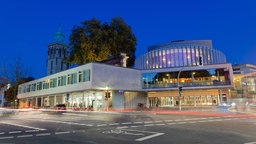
{"x": 179, "y": 92}
{"x": 106, "y": 96}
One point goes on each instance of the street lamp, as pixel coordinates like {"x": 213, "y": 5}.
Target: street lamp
{"x": 107, "y": 96}
{"x": 179, "y": 88}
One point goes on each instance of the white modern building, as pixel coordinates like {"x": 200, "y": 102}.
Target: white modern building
{"x": 240, "y": 69}
{"x": 154, "y": 82}
{"x": 3, "y": 88}
{"x": 85, "y": 87}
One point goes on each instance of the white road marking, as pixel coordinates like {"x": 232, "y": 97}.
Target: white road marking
{"x": 113, "y": 124}
{"x": 14, "y": 132}
{"x": 126, "y": 123}
{"x": 136, "y": 134}
{"x": 161, "y": 124}
{"x": 250, "y": 143}
{"x": 66, "y": 132}
{"x": 202, "y": 118}
{"x": 181, "y": 122}
{"x": 10, "y": 137}
{"x": 171, "y": 123}
{"x": 82, "y": 115}
{"x": 19, "y": 125}
{"x": 158, "y": 121}
{"x": 154, "y": 134}
{"x": 149, "y": 137}
{"x": 235, "y": 118}
{"x": 149, "y": 125}
{"x": 192, "y": 122}
{"x": 148, "y": 122}
{"x": 23, "y": 136}
{"x": 137, "y": 122}
{"x": 43, "y": 134}
{"x": 71, "y": 123}
{"x": 135, "y": 126}
{"x": 202, "y": 121}
{"x": 2, "y": 133}
{"x": 124, "y": 127}
{"x": 28, "y": 131}
{"x": 102, "y": 125}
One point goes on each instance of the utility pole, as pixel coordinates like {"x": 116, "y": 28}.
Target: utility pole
{"x": 179, "y": 88}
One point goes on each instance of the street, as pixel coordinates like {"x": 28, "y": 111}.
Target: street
{"x": 38, "y": 127}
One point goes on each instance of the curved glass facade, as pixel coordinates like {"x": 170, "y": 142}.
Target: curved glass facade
{"x": 180, "y": 53}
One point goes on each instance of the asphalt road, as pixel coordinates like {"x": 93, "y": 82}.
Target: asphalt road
{"x": 34, "y": 127}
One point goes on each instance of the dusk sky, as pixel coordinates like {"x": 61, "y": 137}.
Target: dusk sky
{"x": 28, "y": 26}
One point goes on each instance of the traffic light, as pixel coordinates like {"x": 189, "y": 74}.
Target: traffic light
{"x": 200, "y": 61}
{"x": 107, "y": 95}
{"x": 180, "y": 89}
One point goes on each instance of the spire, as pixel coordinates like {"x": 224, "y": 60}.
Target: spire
{"x": 59, "y": 36}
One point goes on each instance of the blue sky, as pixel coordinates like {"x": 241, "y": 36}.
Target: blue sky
{"x": 27, "y": 26}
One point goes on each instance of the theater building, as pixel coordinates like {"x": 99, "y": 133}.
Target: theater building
{"x": 205, "y": 77}
{"x": 201, "y": 71}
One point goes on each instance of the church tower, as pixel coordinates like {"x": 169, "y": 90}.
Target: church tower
{"x": 57, "y": 54}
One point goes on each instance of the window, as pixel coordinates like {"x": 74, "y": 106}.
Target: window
{"x": 28, "y": 88}
{"x": 86, "y": 75}
{"x": 39, "y": 86}
{"x": 189, "y": 78}
{"x": 59, "y": 81}
{"x": 53, "y": 83}
{"x": 46, "y": 84}
{"x": 63, "y": 80}
{"x": 80, "y": 76}
{"x": 73, "y": 78}
{"x": 69, "y": 80}
{"x": 33, "y": 87}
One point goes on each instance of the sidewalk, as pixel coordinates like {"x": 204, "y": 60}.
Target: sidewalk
{"x": 197, "y": 111}
{"x": 4, "y": 111}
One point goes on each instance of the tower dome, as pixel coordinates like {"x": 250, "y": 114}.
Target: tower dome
{"x": 57, "y": 53}
{"x": 59, "y": 36}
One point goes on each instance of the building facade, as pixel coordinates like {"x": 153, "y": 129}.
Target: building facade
{"x": 180, "y": 53}
{"x": 240, "y": 69}
{"x": 3, "y": 89}
{"x": 205, "y": 76}
{"x": 244, "y": 81}
{"x": 207, "y": 85}
{"x": 57, "y": 54}
{"x": 85, "y": 87}
{"x": 154, "y": 82}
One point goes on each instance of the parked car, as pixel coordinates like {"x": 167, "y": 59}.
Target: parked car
{"x": 60, "y": 107}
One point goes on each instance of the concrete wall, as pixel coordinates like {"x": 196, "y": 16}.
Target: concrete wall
{"x": 115, "y": 78}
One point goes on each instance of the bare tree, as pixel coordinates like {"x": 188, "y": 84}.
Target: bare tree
{"x": 14, "y": 72}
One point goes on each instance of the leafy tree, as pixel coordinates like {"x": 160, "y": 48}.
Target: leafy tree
{"x": 94, "y": 41}
{"x": 123, "y": 39}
